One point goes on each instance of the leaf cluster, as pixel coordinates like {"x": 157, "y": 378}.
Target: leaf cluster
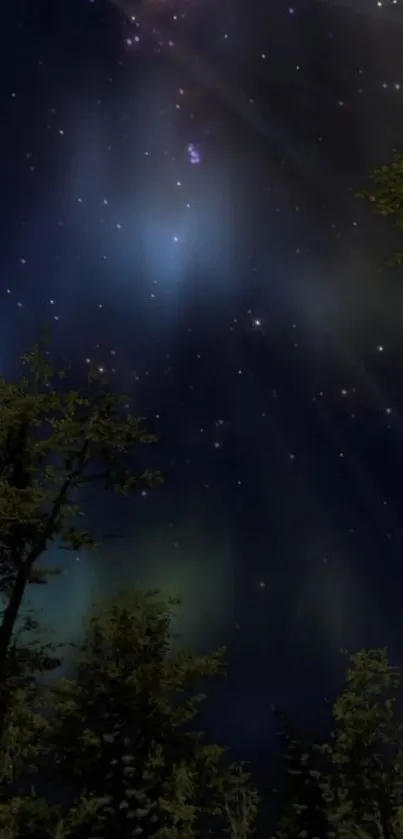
{"x": 53, "y": 442}
{"x": 352, "y": 784}
{"x": 123, "y": 736}
{"x": 386, "y": 194}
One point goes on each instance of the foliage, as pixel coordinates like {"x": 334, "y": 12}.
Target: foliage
{"x": 124, "y": 730}
{"x": 25, "y": 814}
{"x": 367, "y": 744}
{"x": 28, "y": 658}
{"x": 351, "y": 787}
{"x": 386, "y": 194}
{"x": 54, "y": 442}
{"x": 31, "y": 817}
{"x": 241, "y": 802}
{"x": 123, "y": 734}
{"x": 305, "y": 813}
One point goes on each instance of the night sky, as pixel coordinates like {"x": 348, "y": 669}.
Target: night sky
{"x": 177, "y": 201}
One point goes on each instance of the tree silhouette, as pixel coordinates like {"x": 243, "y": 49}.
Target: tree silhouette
{"x": 125, "y": 729}
{"x": 53, "y": 442}
{"x": 366, "y": 747}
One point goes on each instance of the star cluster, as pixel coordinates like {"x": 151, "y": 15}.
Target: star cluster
{"x": 177, "y": 199}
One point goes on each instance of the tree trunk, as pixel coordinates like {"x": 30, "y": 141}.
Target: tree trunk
{"x": 6, "y": 633}
{"x": 387, "y": 831}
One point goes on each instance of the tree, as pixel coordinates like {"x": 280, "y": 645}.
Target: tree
{"x": 32, "y": 817}
{"x": 305, "y": 812}
{"x": 29, "y": 657}
{"x": 366, "y": 747}
{"x": 124, "y": 730}
{"x": 350, "y": 787}
{"x": 241, "y": 802}
{"x": 54, "y": 441}
{"x": 386, "y": 194}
